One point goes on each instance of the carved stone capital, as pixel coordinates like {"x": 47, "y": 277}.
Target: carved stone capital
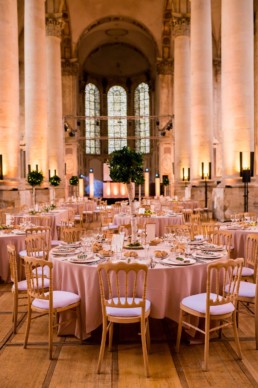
{"x": 54, "y": 27}
{"x": 70, "y": 67}
{"x": 181, "y": 26}
{"x": 165, "y": 66}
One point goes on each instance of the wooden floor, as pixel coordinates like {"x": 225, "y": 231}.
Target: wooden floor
{"x": 74, "y": 364}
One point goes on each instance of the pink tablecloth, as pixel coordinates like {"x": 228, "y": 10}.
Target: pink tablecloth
{"x": 239, "y": 239}
{"x": 166, "y": 288}
{"x": 56, "y": 216}
{"x": 19, "y": 242}
{"x": 160, "y": 221}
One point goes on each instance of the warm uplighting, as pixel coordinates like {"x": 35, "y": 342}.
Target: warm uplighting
{"x": 206, "y": 171}
{"x": 157, "y": 185}
{"x": 91, "y": 182}
{"x": 146, "y": 183}
{"x": 186, "y": 174}
{"x": 81, "y": 187}
{"x": 1, "y": 168}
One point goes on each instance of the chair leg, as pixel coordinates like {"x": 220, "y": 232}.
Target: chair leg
{"x": 148, "y": 334}
{"x": 50, "y": 334}
{"x": 236, "y": 335}
{"x": 256, "y": 325}
{"x": 179, "y": 330}
{"x": 110, "y": 339}
{"x": 144, "y": 348}
{"x": 27, "y": 328}
{"x": 79, "y": 318}
{"x": 103, "y": 345}
{"x": 206, "y": 344}
{"x": 15, "y": 311}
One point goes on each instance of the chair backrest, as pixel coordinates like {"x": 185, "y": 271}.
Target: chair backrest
{"x": 223, "y": 278}
{"x": 44, "y": 230}
{"x": 122, "y": 281}
{"x": 12, "y": 256}
{"x": 251, "y": 251}
{"x": 37, "y": 245}
{"x": 71, "y": 234}
{"x": 195, "y": 218}
{"x": 222, "y": 237}
{"x": 187, "y": 214}
{"x": 39, "y": 278}
{"x": 178, "y": 229}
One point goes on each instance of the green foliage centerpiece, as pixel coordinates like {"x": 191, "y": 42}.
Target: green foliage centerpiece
{"x": 54, "y": 181}
{"x": 74, "y": 181}
{"x": 126, "y": 166}
{"x": 34, "y": 178}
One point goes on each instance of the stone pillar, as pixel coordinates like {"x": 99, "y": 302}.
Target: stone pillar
{"x": 237, "y": 83}
{"x": 55, "y": 134}
{"x": 256, "y": 93}
{"x": 165, "y": 109}
{"x": 9, "y": 87}
{"x": 35, "y": 85}
{"x": 201, "y": 86}
{"x": 182, "y": 102}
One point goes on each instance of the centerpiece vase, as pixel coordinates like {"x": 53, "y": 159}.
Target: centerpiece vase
{"x": 130, "y": 190}
{"x": 33, "y": 197}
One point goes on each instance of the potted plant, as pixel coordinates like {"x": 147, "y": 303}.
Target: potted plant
{"x": 34, "y": 178}
{"x": 126, "y": 166}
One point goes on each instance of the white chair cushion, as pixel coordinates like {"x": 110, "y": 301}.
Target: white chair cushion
{"x": 60, "y": 299}
{"x": 22, "y": 285}
{"x": 247, "y": 289}
{"x": 55, "y": 243}
{"x": 127, "y": 311}
{"x": 246, "y": 271}
{"x": 24, "y": 253}
{"x": 46, "y": 271}
{"x": 198, "y": 303}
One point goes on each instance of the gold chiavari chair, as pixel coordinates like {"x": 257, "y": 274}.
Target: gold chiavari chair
{"x": 49, "y": 303}
{"x": 123, "y": 300}
{"x": 72, "y": 234}
{"x": 218, "y": 304}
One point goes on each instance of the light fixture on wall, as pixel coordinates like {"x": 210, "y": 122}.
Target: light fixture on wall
{"x": 186, "y": 174}
{"x": 246, "y": 172}
{"x": 206, "y": 175}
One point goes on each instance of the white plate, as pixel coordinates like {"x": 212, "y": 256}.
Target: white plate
{"x": 173, "y": 261}
{"x": 213, "y": 248}
{"x": 83, "y": 261}
{"x": 212, "y": 255}
{"x": 196, "y": 242}
{"x": 65, "y": 253}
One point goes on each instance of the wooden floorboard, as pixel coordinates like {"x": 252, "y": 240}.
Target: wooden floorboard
{"x": 74, "y": 364}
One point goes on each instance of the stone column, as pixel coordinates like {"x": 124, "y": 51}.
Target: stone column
{"x": 165, "y": 109}
{"x": 256, "y": 92}
{"x": 35, "y": 85}
{"x": 237, "y": 83}
{"x": 201, "y": 86}
{"x": 182, "y": 102}
{"x": 9, "y": 87}
{"x": 55, "y": 134}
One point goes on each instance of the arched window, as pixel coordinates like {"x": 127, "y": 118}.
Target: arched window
{"x": 92, "y": 125}
{"x": 117, "y": 127}
{"x": 142, "y": 125}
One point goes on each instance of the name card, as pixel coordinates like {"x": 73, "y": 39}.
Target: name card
{"x": 150, "y": 232}
{"x": 117, "y": 242}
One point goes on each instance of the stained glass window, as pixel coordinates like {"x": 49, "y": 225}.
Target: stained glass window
{"x": 117, "y": 126}
{"x": 142, "y": 125}
{"x": 92, "y": 125}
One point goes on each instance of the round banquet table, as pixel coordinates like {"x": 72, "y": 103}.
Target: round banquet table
{"x": 19, "y": 242}
{"x": 239, "y": 238}
{"x": 160, "y": 221}
{"x": 167, "y": 286}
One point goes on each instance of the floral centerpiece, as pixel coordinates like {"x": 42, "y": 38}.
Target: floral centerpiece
{"x": 34, "y": 178}
{"x": 54, "y": 180}
{"x": 126, "y": 166}
{"x": 74, "y": 180}
{"x": 165, "y": 184}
